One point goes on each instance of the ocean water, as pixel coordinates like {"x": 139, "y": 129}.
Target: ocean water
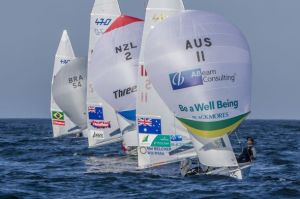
{"x": 34, "y": 165}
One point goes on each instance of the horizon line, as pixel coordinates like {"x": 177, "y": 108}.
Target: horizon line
{"x": 48, "y": 118}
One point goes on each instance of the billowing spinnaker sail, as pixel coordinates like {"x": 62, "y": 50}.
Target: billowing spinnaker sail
{"x": 69, "y": 91}
{"x": 114, "y": 65}
{"x": 201, "y": 66}
{"x": 104, "y": 128}
{"x": 61, "y": 123}
{"x": 150, "y": 106}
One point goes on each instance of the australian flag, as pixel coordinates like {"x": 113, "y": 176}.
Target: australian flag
{"x": 149, "y": 125}
{"x": 95, "y": 113}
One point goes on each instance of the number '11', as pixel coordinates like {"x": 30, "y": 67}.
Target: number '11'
{"x": 200, "y": 56}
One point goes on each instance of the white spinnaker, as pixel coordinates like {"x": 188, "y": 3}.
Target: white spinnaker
{"x": 149, "y": 103}
{"x": 201, "y": 66}
{"x": 64, "y": 55}
{"x": 102, "y": 16}
{"x": 114, "y": 64}
{"x": 69, "y": 91}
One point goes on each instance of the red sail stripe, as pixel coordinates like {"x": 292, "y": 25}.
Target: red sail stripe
{"x": 121, "y": 21}
{"x": 143, "y": 71}
{"x": 59, "y": 123}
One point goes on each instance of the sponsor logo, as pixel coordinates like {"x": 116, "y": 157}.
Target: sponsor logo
{"x": 176, "y": 138}
{"x": 143, "y": 150}
{"x": 103, "y": 21}
{"x": 155, "y": 151}
{"x": 155, "y": 140}
{"x": 161, "y": 141}
{"x": 196, "y": 77}
{"x": 186, "y": 79}
{"x": 57, "y": 115}
{"x": 149, "y": 125}
{"x": 209, "y": 106}
{"x": 124, "y": 92}
{"x": 95, "y": 113}
{"x": 64, "y": 61}
{"x": 98, "y": 135}
{"x": 101, "y": 124}
{"x": 58, "y": 123}
{"x": 159, "y": 17}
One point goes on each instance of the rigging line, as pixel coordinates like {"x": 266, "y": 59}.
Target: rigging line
{"x": 238, "y": 139}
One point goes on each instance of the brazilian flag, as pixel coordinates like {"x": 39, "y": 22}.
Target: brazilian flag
{"x": 56, "y": 115}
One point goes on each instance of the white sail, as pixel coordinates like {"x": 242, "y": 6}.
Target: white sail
{"x": 61, "y": 124}
{"x": 69, "y": 91}
{"x": 113, "y": 71}
{"x": 201, "y": 66}
{"x": 151, "y": 108}
{"x": 103, "y": 128}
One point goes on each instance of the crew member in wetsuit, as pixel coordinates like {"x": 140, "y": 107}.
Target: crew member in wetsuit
{"x": 249, "y": 153}
{"x": 187, "y": 170}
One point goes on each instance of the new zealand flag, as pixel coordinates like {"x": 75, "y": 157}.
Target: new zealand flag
{"x": 150, "y": 126}
{"x": 95, "y": 113}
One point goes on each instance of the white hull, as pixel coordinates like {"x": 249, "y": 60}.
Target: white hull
{"x": 239, "y": 173}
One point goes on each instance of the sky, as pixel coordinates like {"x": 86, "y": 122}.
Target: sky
{"x": 30, "y": 31}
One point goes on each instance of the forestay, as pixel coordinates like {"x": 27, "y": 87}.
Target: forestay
{"x": 201, "y": 66}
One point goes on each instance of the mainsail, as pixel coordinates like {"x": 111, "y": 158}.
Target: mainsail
{"x": 162, "y": 138}
{"x": 201, "y": 66}
{"x": 61, "y": 123}
{"x": 113, "y": 72}
{"x": 69, "y": 91}
{"x": 102, "y": 120}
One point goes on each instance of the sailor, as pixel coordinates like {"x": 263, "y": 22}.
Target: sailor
{"x": 249, "y": 153}
{"x": 187, "y": 169}
{"x": 79, "y": 135}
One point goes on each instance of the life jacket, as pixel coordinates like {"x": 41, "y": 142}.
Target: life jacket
{"x": 246, "y": 154}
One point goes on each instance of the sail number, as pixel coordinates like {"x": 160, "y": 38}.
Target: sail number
{"x": 76, "y": 81}
{"x": 102, "y": 21}
{"x": 125, "y": 48}
{"x": 199, "y": 43}
{"x": 64, "y": 61}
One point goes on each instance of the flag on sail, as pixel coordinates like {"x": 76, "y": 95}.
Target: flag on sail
{"x": 95, "y": 113}
{"x": 58, "y": 118}
{"x": 149, "y": 125}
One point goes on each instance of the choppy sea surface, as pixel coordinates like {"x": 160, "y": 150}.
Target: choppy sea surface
{"x": 35, "y": 165}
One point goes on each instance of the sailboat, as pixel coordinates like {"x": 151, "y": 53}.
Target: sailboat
{"x": 113, "y": 72}
{"x": 61, "y": 122}
{"x": 102, "y": 121}
{"x": 201, "y": 66}
{"x": 162, "y": 138}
